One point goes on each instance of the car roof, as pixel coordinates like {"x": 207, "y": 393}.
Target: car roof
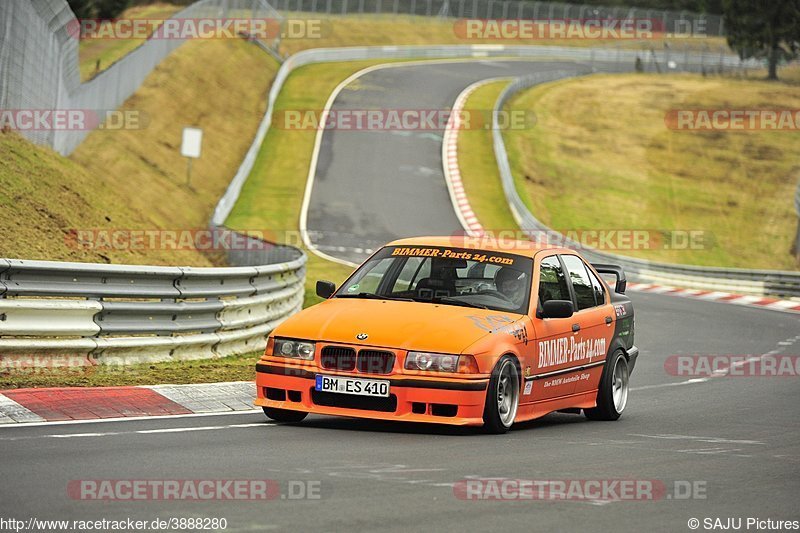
{"x": 487, "y": 244}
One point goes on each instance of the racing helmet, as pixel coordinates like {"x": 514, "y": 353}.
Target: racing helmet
{"x": 511, "y": 282}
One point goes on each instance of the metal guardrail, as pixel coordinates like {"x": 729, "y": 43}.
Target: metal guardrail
{"x": 758, "y": 282}
{"x": 54, "y": 313}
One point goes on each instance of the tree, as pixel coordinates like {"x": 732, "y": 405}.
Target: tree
{"x": 104, "y": 9}
{"x": 108, "y": 9}
{"x": 83, "y": 9}
{"x": 764, "y": 28}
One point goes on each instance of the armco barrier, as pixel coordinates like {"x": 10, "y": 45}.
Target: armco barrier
{"x": 55, "y": 313}
{"x": 758, "y": 282}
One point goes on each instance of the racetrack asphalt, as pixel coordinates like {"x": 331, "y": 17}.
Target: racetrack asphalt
{"x": 737, "y": 439}
{"x": 372, "y": 187}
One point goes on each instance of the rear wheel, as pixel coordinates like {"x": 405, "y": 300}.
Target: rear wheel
{"x": 502, "y": 396}
{"x": 284, "y": 415}
{"x": 612, "y": 396}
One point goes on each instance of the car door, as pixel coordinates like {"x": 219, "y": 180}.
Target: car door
{"x": 549, "y": 376}
{"x": 594, "y": 320}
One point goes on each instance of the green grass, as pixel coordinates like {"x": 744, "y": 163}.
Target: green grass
{"x": 478, "y": 166}
{"x": 372, "y": 30}
{"x": 234, "y": 368}
{"x": 135, "y": 179}
{"x": 601, "y": 157}
{"x": 273, "y": 194}
{"x": 365, "y": 30}
{"x": 96, "y": 55}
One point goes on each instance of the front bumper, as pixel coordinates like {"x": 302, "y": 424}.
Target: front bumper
{"x": 412, "y": 398}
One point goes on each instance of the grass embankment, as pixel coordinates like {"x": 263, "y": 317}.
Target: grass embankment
{"x": 136, "y": 179}
{"x": 478, "y": 166}
{"x": 271, "y": 202}
{"x": 273, "y": 195}
{"x": 96, "y": 55}
{"x": 601, "y": 156}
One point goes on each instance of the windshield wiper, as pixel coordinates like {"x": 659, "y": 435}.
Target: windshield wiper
{"x": 454, "y": 301}
{"x": 371, "y": 296}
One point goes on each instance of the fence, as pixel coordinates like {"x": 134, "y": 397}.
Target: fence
{"x": 759, "y": 282}
{"x": 39, "y": 67}
{"x": 682, "y": 22}
{"x": 66, "y": 314}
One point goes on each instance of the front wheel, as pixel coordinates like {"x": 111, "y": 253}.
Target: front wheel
{"x": 502, "y": 396}
{"x": 612, "y": 396}
{"x": 284, "y": 415}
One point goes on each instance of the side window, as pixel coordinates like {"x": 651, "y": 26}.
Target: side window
{"x": 552, "y": 282}
{"x": 599, "y": 289}
{"x": 584, "y": 292}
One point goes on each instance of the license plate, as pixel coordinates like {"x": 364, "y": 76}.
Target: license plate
{"x": 361, "y": 387}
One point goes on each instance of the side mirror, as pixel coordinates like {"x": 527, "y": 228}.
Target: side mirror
{"x": 557, "y": 309}
{"x": 325, "y": 289}
{"x": 622, "y": 282}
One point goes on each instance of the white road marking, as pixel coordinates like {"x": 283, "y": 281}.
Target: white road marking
{"x": 121, "y": 419}
{"x": 312, "y": 169}
{"x": 721, "y": 372}
{"x": 676, "y": 384}
{"x": 139, "y": 432}
{"x": 714, "y": 440}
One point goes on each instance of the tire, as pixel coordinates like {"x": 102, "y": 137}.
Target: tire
{"x": 284, "y": 415}
{"x": 502, "y": 397}
{"x": 612, "y": 396}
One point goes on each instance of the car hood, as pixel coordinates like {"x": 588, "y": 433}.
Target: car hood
{"x": 395, "y": 324}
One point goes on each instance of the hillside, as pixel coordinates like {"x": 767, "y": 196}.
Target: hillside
{"x": 136, "y": 179}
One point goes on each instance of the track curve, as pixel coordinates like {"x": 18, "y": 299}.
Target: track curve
{"x": 373, "y": 187}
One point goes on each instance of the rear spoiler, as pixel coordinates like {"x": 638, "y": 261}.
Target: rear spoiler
{"x": 622, "y": 283}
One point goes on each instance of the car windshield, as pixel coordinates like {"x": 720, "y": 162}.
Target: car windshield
{"x": 449, "y": 276}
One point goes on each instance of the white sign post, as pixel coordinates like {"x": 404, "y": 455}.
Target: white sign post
{"x": 191, "y": 148}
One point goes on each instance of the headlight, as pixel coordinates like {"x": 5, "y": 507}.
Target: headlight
{"x": 441, "y": 362}
{"x": 293, "y": 348}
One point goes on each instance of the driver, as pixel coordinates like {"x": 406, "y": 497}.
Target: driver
{"x": 511, "y": 283}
